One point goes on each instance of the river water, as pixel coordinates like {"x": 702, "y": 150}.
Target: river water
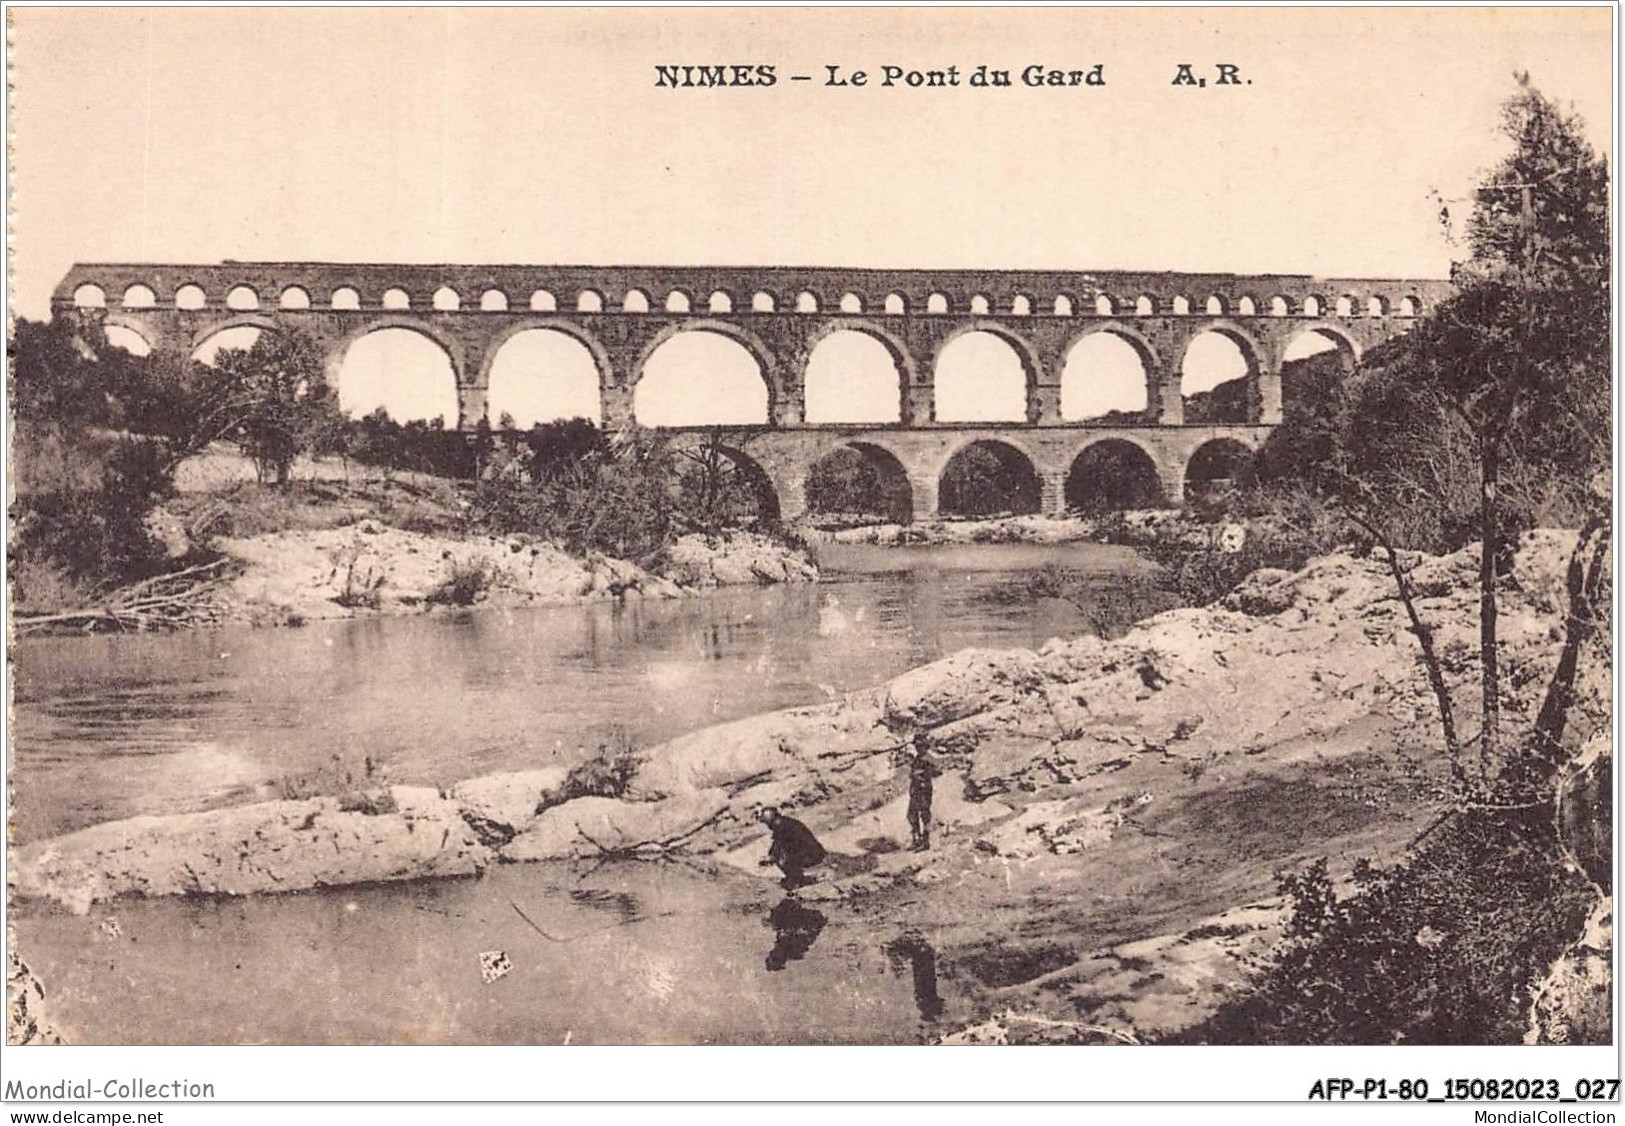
{"x": 109, "y": 727}
{"x": 112, "y": 726}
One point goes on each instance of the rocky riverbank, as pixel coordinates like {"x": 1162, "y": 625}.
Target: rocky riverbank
{"x": 289, "y": 577}
{"x": 1110, "y": 829}
{"x": 1139, "y": 527}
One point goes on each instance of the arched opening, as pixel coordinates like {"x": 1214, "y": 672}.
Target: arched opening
{"x": 138, "y": 297}
{"x": 1311, "y": 306}
{"x": 90, "y": 296}
{"x": 1104, "y": 379}
{"x": 1182, "y": 306}
{"x": 677, "y": 302}
{"x": 988, "y": 478}
{"x": 936, "y": 303}
{"x": 978, "y": 305}
{"x": 1216, "y": 467}
{"x": 1319, "y": 341}
{"x": 1246, "y": 307}
{"x": 720, "y": 302}
{"x": 860, "y": 483}
{"x": 1376, "y": 307}
{"x": 635, "y": 301}
{"x": 763, "y": 303}
{"x": 701, "y": 378}
{"x": 344, "y": 298}
{"x": 1215, "y": 306}
{"x": 405, "y": 373}
{"x": 1313, "y": 364}
{"x": 542, "y": 301}
{"x": 980, "y": 378}
{"x": 1021, "y": 305}
{"x": 1104, "y": 306}
{"x": 396, "y": 298}
{"x": 851, "y": 303}
{"x": 237, "y": 338}
{"x": 1063, "y": 306}
{"x": 1214, "y": 379}
{"x": 1144, "y": 306}
{"x": 589, "y": 301}
{"x": 806, "y": 302}
{"x": 242, "y": 298}
{"x": 1345, "y": 306}
{"x": 722, "y": 487}
{"x": 294, "y": 297}
{"x": 131, "y": 341}
{"x": 895, "y": 305}
{"x": 1280, "y": 307}
{"x": 190, "y": 296}
{"x": 446, "y": 299}
{"x": 542, "y": 375}
{"x": 1409, "y": 306}
{"x": 493, "y": 301}
{"x": 1112, "y": 475}
{"x": 853, "y": 377}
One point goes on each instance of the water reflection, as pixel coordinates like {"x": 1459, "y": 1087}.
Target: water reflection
{"x": 795, "y": 928}
{"x": 114, "y": 726}
{"x": 921, "y": 958}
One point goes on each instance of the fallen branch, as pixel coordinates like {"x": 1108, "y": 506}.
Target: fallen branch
{"x": 650, "y": 849}
{"x": 179, "y": 600}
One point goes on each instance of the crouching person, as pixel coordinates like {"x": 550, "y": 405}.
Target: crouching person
{"x": 794, "y": 847}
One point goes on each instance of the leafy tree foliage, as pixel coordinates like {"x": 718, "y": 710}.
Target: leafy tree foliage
{"x": 985, "y": 479}
{"x": 844, "y": 482}
{"x": 274, "y": 399}
{"x": 95, "y": 438}
{"x": 1491, "y": 416}
{"x": 1441, "y": 948}
{"x": 613, "y": 497}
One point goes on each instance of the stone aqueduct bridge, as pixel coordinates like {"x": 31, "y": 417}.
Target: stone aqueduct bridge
{"x": 623, "y": 313}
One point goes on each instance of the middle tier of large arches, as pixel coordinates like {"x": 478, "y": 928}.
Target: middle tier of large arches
{"x": 747, "y": 369}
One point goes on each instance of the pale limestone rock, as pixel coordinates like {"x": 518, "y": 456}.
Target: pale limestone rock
{"x": 1572, "y": 1003}
{"x": 969, "y": 682}
{"x": 738, "y": 753}
{"x": 397, "y": 834}
{"x": 499, "y": 806}
{"x": 1065, "y": 826}
{"x": 587, "y": 827}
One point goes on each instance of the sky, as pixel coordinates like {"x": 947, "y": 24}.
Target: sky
{"x": 532, "y": 135}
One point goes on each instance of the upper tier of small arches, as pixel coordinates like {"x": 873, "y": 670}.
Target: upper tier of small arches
{"x": 637, "y": 291}
{"x": 448, "y": 300}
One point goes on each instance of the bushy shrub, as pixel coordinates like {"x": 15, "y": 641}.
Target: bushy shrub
{"x": 466, "y": 580}
{"x": 413, "y": 447}
{"x": 96, "y": 535}
{"x": 607, "y": 774}
{"x": 339, "y": 774}
{"x": 1440, "y": 948}
{"x": 361, "y": 581}
{"x": 615, "y": 498}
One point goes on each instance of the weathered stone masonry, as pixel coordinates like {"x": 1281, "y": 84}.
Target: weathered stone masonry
{"x": 779, "y": 314}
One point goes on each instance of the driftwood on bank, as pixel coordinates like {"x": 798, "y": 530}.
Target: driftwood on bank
{"x": 180, "y": 600}
{"x": 649, "y": 849}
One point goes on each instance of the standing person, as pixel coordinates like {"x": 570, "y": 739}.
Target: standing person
{"x": 921, "y": 771}
{"x": 794, "y": 847}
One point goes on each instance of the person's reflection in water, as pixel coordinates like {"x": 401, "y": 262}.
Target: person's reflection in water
{"x": 796, "y": 927}
{"x": 922, "y": 960}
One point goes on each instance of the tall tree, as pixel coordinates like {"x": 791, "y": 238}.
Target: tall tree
{"x": 1493, "y": 413}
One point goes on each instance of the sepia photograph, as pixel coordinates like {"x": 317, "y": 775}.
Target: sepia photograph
{"x": 810, "y": 526}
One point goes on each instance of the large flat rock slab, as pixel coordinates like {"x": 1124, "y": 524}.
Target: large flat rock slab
{"x": 402, "y": 833}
